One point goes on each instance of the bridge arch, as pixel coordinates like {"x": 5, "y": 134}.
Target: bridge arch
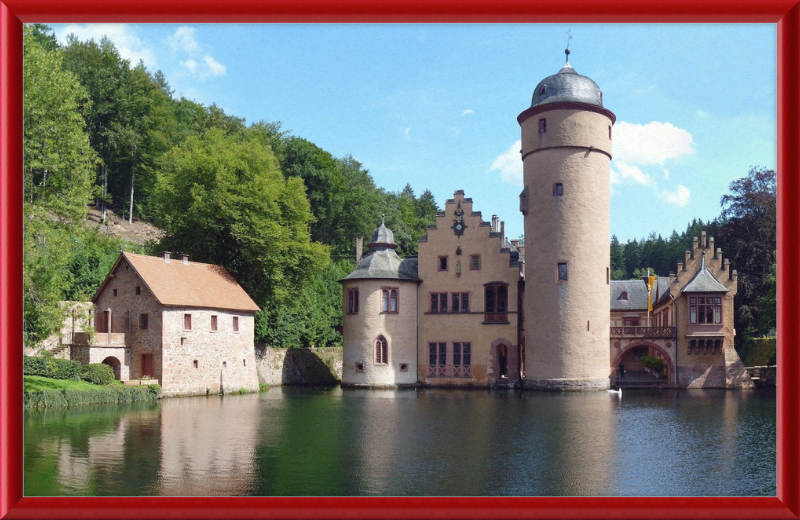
{"x": 643, "y": 343}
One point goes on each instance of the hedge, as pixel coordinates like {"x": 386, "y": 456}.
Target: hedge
{"x": 99, "y": 395}
{"x": 97, "y": 373}
{"x": 51, "y": 367}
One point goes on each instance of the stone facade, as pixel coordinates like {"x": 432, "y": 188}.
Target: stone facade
{"x": 188, "y": 349}
{"x": 477, "y": 263}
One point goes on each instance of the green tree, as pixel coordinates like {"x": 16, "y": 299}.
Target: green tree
{"x": 769, "y": 301}
{"x": 748, "y": 237}
{"x": 222, "y": 200}
{"x": 618, "y": 271}
{"x": 58, "y": 179}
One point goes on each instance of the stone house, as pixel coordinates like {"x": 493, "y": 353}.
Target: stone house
{"x": 186, "y": 324}
{"x": 690, "y": 325}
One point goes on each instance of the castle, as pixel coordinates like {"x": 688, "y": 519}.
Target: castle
{"x": 475, "y": 309}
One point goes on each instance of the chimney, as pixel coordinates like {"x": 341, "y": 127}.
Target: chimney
{"x": 185, "y": 259}
{"x": 503, "y": 229}
{"x": 495, "y": 225}
{"x": 359, "y": 248}
{"x": 703, "y": 239}
{"x": 165, "y": 256}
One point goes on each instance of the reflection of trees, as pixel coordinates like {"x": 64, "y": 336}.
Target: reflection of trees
{"x": 89, "y": 450}
{"x": 303, "y": 446}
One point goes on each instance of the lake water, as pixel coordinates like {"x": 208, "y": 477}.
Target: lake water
{"x": 353, "y": 442}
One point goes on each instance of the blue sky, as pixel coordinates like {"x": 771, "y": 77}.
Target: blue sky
{"x": 436, "y": 105}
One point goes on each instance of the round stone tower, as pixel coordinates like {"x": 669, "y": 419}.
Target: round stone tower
{"x": 379, "y": 322}
{"x": 566, "y": 151}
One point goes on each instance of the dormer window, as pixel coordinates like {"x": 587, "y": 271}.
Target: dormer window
{"x": 624, "y": 295}
{"x": 542, "y": 90}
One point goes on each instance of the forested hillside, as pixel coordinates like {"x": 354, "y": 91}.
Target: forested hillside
{"x": 278, "y": 211}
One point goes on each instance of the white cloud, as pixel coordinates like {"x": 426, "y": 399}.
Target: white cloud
{"x": 509, "y": 165}
{"x": 183, "y": 41}
{"x": 630, "y": 171}
{"x": 468, "y": 112}
{"x": 679, "y": 197}
{"x": 652, "y": 143}
{"x": 215, "y": 68}
{"x": 191, "y": 65}
{"x": 129, "y": 45}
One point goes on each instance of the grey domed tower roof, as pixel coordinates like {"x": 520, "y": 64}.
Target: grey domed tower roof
{"x": 382, "y": 262}
{"x": 566, "y": 90}
{"x": 567, "y": 86}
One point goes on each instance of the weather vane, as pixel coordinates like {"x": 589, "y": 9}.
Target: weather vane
{"x": 569, "y": 37}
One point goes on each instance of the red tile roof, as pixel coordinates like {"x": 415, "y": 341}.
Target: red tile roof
{"x": 176, "y": 284}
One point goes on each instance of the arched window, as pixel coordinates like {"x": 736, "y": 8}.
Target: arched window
{"x": 389, "y": 299}
{"x": 381, "y": 351}
{"x": 496, "y": 303}
{"x": 352, "y": 301}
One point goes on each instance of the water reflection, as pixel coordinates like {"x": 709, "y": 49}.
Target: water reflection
{"x": 299, "y": 441}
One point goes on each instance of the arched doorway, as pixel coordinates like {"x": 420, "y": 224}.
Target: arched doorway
{"x": 114, "y": 364}
{"x": 502, "y": 361}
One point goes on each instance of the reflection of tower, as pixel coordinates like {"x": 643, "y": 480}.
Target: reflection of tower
{"x": 566, "y": 151}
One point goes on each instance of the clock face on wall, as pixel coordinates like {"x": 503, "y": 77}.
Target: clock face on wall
{"x": 458, "y": 223}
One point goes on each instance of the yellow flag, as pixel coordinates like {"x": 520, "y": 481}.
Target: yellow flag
{"x": 650, "y": 283}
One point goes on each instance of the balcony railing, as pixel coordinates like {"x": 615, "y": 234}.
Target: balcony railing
{"x": 642, "y": 332}
{"x": 104, "y": 339}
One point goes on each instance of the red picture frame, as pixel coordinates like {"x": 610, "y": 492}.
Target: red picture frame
{"x": 784, "y": 13}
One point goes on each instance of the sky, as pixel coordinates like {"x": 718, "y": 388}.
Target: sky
{"x": 435, "y": 106}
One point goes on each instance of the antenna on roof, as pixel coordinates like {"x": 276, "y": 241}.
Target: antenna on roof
{"x": 383, "y": 217}
{"x": 569, "y": 37}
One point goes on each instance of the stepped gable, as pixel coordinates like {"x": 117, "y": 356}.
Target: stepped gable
{"x": 176, "y": 283}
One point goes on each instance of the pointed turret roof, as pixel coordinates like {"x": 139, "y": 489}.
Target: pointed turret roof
{"x": 704, "y": 281}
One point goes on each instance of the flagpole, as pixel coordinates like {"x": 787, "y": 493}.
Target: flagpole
{"x": 649, "y": 296}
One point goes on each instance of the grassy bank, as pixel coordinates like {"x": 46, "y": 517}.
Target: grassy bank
{"x": 42, "y": 391}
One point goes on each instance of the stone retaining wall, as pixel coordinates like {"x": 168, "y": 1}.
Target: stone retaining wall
{"x": 299, "y": 366}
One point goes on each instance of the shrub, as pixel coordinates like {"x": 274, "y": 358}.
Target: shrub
{"x": 51, "y": 367}
{"x": 654, "y": 364}
{"x": 97, "y": 373}
{"x": 263, "y": 387}
{"x": 34, "y": 366}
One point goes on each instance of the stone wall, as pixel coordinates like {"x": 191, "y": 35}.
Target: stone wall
{"x": 299, "y": 366}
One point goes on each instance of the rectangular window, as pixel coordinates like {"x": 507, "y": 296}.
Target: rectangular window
{"x": 562, "y": 272}
{"x": 213, "y": 323}
{"x": 717, "y": 310}
{"x": 461, "y": 354}
{"x": 543, "y": 126}
{"x": 138, "y": 291}
{"x": 558, "y": 189}
{"x": 143, "y": 322}
{"x": 352, "y": 301}
{"x": 195, "y": 364}
{"x": 705, "y": 310}
{"x": 439, "y": 302}
{"x": 475, "y": 262}
{"x": 115, "y": 293}
{"x": 442, "y": 263}
{"x": 460, "y": 302}
{"x": 389, "y": 299}
{"x": 187, "y": 322}
{"x": 442, "y": 354}
{"x": 236, "y": 324}
{"x": 437, "y": 354}
{"x": 496, "y": 298}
